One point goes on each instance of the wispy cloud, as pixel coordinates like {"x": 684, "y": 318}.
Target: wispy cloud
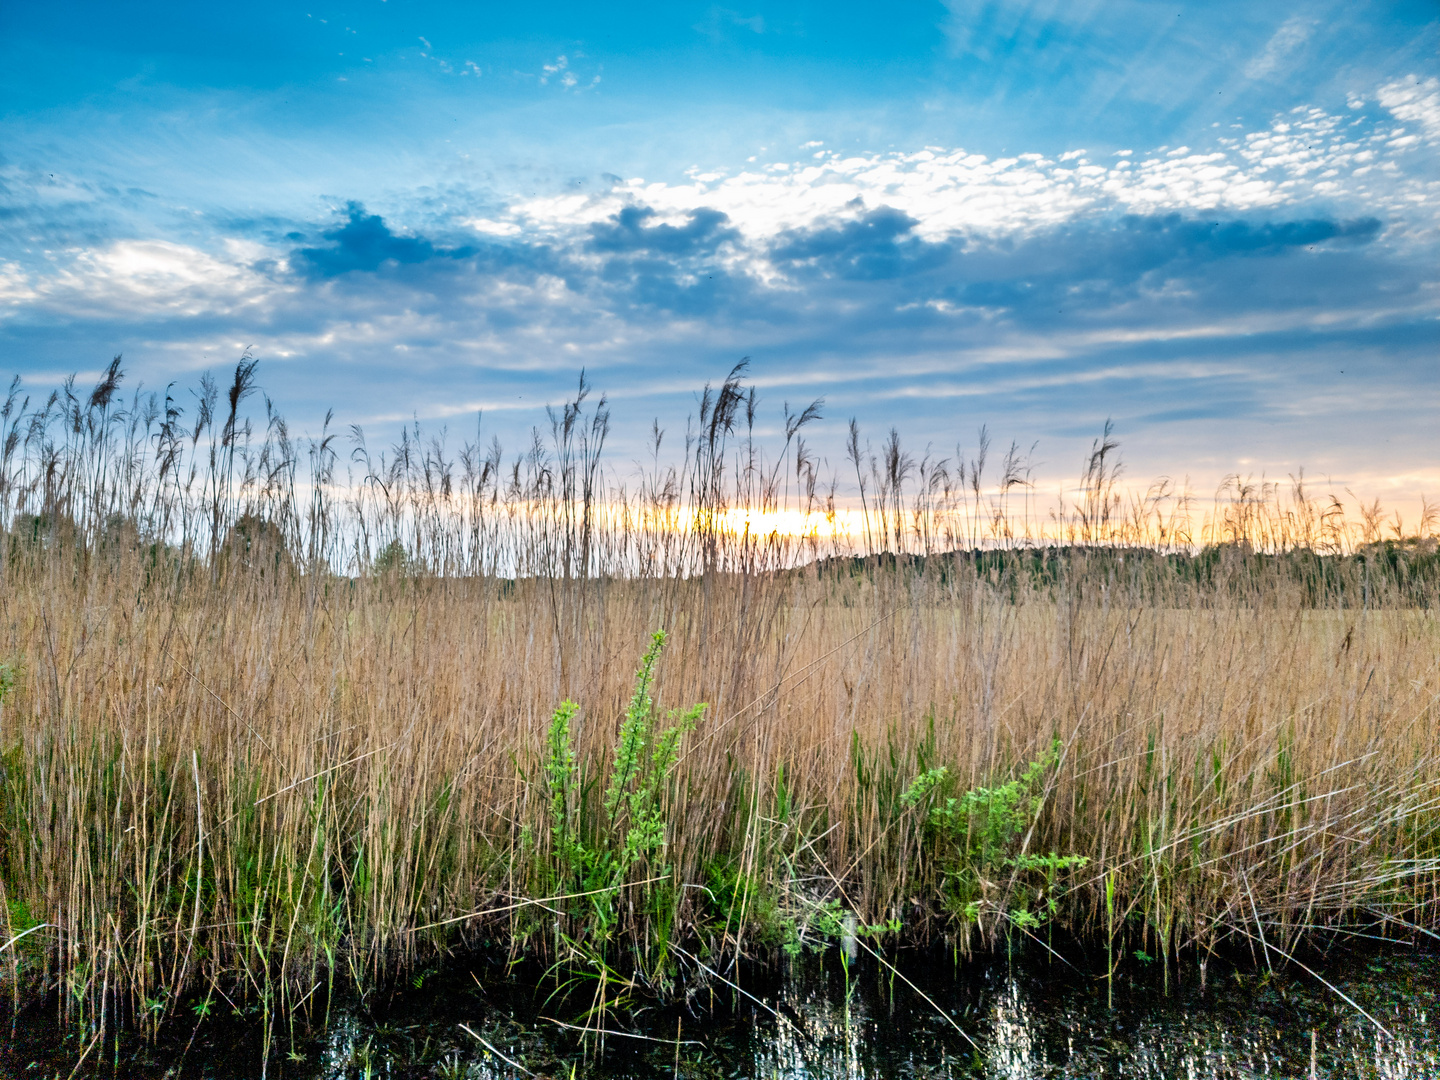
{"x": 564, "y": 74}
{"x": 1294, "y": 32}
{"x": 142, "y": 279}
{"x": 720, "y": 23}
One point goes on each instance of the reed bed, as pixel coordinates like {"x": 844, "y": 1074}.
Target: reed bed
{"x": 272, "y": 717}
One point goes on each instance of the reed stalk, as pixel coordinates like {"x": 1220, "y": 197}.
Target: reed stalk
{"x": 265, "y": 722}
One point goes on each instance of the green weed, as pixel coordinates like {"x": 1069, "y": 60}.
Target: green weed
{"x": 979, "y": 839}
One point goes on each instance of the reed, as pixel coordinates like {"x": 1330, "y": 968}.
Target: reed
{"x": 271, "y": 719}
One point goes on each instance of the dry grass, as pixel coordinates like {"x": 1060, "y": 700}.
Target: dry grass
{"x": 244, "y": 757}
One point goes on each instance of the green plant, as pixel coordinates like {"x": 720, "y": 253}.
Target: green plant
{"x": 625, "y": 846}
{"x": 9, "y": 675}
{"x": 561, "y": 777}
{"x": 21, "y": 919}
{"x": 980, "y": 839}
{"x": 829, "y": 921}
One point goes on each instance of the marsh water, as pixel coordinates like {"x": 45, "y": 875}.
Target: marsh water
{"x": 1366, "y": 1013}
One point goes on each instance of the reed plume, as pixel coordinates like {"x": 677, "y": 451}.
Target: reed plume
{"x": 275, "y": 712}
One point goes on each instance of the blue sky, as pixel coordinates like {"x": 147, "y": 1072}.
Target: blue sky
{"x": 1215, "y": 223}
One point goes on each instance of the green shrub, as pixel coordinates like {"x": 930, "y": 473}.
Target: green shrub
{"x": 980, "y": 843}
{"x": 623, "y": 845}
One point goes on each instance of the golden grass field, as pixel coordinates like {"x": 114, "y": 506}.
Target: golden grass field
{"x": 262, "y": 736}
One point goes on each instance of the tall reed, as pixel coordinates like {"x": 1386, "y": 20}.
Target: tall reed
{"x": 273, "y": 723}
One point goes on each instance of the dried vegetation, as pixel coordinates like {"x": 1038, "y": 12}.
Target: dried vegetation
{"x": 272, "y": 717}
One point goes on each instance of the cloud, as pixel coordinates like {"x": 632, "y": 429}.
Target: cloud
{"x": 1094, "y": 271}
{"x": 1415, "y": 102}
{"x": 1183, "y": 284}
{"x": 876, "y": 245}
{"x": 563, "y": 72}
{"x": 719, "y": 22}
{"x": 132, "y": 280}
{"x": 1352, "y": 165}
{"x": 1293, "y": 33}
{"x": 629, "y": 230}
{"x": 16, "y": 289}
{"x": 561, "y": 64}
{"x": 365, "y": 243}
{"x": 935, "y": 236}
{"x": 1218, "y": 239}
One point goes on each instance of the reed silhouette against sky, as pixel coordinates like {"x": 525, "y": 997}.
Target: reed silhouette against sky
{"x": 263, "y": 728}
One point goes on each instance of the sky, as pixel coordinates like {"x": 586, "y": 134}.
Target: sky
{"x": 1215, "y": 224}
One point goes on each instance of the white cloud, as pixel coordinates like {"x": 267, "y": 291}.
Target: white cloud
{"x": 141, "y": 278}
{"x": 491, "y": 227}
{"x": 1415, "y": 102}
{"x": 1304, "y": 155}
{"x": 16, "y": 288}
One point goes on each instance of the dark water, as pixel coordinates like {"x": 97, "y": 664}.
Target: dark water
{"x": 997, "y": 1018}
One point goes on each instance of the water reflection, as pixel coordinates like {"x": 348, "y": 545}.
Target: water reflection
{"x": 1029, "y": 1023}
{"x": 1015, "y": 1022}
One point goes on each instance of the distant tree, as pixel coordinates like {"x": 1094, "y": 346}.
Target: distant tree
{"x": 254, "y": 545}
{"x": 392, "y": 559}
